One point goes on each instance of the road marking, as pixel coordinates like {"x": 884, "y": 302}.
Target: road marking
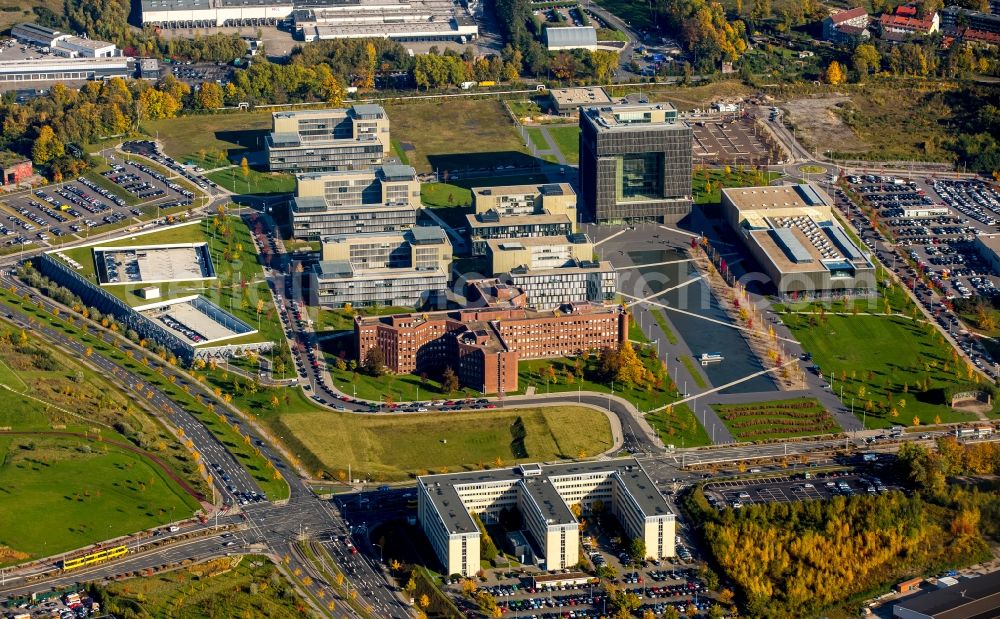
{"x": 654, "y": 264}
{"x": 715, "y": 320}
{"x": 660, "y": 293}
{"x": 726, "y": 386}
{"x": 609, "y": 238}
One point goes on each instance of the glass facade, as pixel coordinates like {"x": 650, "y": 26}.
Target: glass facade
{"x": 640, "y": 176}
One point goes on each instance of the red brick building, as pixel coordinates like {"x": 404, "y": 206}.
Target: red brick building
{"x": 484, "y": 346}
{"x": 16, "y": 169}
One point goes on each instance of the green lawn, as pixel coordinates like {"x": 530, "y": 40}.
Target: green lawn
{"x": 202, "y": 138}
{"x": 719, "y": 179}
{"x": 534, "y": 373}
{"x": 880, "y": 361}
{"x": 343, "y": 320}
{"x": 445, "y": 441}
{"x": 776, "y": 419}
{"x": 254, "y": 182}
{"x": 639, "y": 15}
{"x": 400, "y": 387}
{"x": 453, "y": 135}
{"x": 78, "y": 491}
{"x": 538, "y": 139}
{"x": 248, "y": 586}
{"x": 678, "y": 427}
{"x": 568, "y": 141}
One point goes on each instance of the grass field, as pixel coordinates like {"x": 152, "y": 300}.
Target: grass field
{"x": 200, "y": 137}
{"x": 678, "y": 427}
{"x": 568, "y": 141}
{"x": 661, "y": 321}
{"x": 254, "y": 183}
{"x": 79, "y": 491}
{"x": 444, "y": 441}
{"x": 225, "y": 588}
{"x": 884, "y": 364}
{"x": 456, "y": 136}
{"x": 400, "y": 387}
{"x": 537, "y": 139}
{"x": 776, "y": 419}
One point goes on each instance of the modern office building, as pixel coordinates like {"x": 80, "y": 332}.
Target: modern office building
{"x": 635, "y": 163}
{"x": 586, "y": 280}
{"x": 540, "y": 252}
{"x": 383, "y": 199}
{"x": 403, "y": 20}
{"x": 791, "y": 232}
{"x": 544, "y": 495}
{"x": 519, "y": 211}
{"x": 483, "y": 346}
{"x": 356, "y": 138}
{"x": 402, "y": 269}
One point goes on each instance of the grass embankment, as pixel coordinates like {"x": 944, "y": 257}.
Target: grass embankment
{"x": 896, "y": 370}
{"x": 154, "y": 373}
{"x": 394, "y": 447}
{"x": 248, "y": 586}
{"x": 776, "y": 419}
{"x": 210, "y": 140}
{"x": 661, "y": 321}
{"x": 692, "y": 369}
{"x": 678, "y": 427}
{"x": 78, "y": 491}
{"x": 254, "y": 182}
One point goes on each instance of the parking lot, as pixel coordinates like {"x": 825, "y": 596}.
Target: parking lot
{"x": 738, "y": 493}
{"x": 729, "y": 140}
{"x": 148, "y": 149}
{"x": 74, "y": 208}
{"x": 933, "y": 224}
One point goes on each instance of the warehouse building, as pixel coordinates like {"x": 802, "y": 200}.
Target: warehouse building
{"x": 214, "y": 13}
{"x": 483, "y": 346}
{"x": 791, "y": 232}
{"x": 570, "y": 37}
{"x": 406, "y": 20}
{"x": 635, "y": 163}
{"x": 383, "y": 199}
{"x": 62, "y": 43}
{"x": 404, "y": 269}
{"x": 544, "y": 496}
{"x": 969, "y": 598}
{"x": 55, "y": 69}
{"x": 356, "y": 138}
{"x": 988, "y": 248}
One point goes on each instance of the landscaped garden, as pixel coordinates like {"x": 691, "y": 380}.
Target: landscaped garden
{"x": 759, "y": 421}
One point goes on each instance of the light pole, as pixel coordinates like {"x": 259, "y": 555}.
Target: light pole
{"x": 379, "y": 551}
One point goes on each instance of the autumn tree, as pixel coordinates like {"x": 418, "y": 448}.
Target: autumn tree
{"x": 834, "y": 74}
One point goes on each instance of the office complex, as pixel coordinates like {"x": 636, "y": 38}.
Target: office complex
{"x": 544, "y": 496}
{"x": 566, "y": 101}
{"x": 403, "y": 20}
{"x": 392, "y": 269}
{"x": 791, "y": 232}
{"x": 635, "y": 163}
{"x": 62, "y": 43}
{"x": 356, "y": 138}
{"x": 383, "y": 199}
{"x": 483, "y": 346}
{"x": 519, "y": 211}
{"x": 553, "y": 270}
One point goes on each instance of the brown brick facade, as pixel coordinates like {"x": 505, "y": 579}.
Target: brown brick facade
{"x": 483, "y": 346}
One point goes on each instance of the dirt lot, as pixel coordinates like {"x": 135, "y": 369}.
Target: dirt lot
{"x": 818, "y": 124}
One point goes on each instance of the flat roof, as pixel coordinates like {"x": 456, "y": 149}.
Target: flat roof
{"x": 483, "y": 220}
{"x": 90, "y": 44}
{"x": 775, "y": 197}
{"x": 586, "y": 266}
{"x": 592, "y": 95}
{"x": 990, "y": 242}
{"x": 342, "y": 269}
{"x": 633, "y": 117}
{"x": 547, "y": 189}
{"x": 538, "y": 485}
{"x": 971, "y": 598}
{"x": 578, "y": 238}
